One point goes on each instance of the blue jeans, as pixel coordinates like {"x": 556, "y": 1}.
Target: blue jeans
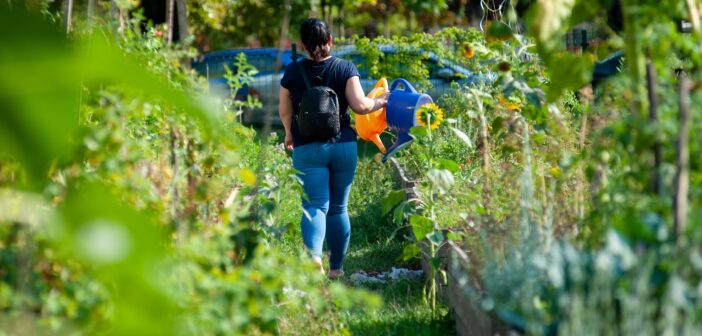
{"x": 327, "y": 170}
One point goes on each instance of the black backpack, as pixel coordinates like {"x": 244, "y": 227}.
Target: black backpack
{"x": 318, "y": 114}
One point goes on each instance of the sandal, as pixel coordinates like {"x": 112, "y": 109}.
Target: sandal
{"x": 318, "y": 262}
{"x": 335, "y": 274}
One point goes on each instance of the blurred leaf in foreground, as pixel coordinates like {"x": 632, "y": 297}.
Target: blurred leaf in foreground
{"x": 41, "y": 78}
{"x": 126, "y": 249}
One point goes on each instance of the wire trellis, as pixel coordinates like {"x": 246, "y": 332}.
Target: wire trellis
{"x": 485, "y": 7}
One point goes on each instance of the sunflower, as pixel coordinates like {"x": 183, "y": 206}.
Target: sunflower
{"x": 468, "y": 51}
{"x": 511, "y": 103}
{"x": 504, "y": 66}
{"x": 430, "y": 114}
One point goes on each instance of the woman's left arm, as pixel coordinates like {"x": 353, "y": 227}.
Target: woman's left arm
{"x": 285, "y": 110}
{"x": 358, "y": 101}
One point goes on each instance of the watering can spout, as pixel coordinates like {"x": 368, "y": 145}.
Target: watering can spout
{"x": 403, "y": 140}
{"x": 378, "y": 143}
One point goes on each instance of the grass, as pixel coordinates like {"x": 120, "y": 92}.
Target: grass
{"x": 374, "y": 249}
{"x": 403, "y": 313}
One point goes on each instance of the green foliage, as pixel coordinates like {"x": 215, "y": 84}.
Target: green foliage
{"x": 152, "y": 220}
{"x": 141, "y": 200}
{"x": 548, "y": 22}
{"x": 405, "y": 62}
{"x": 458, "y": 194}
{"x": 24, "y": 79}
{"x": 244, "y": 76}
{"x": 228, "y": 23}
{"x": 626, "y": 272}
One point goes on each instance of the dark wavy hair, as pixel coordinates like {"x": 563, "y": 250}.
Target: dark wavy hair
{"x": 315, "y": 35}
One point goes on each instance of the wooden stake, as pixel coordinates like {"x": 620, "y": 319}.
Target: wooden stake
{"x": 579, "y": 193}
{"x": 68, "y": 13}
{"x": 91, "y": 13}
{"x": 682, "y": 178}
{"x": 484, "y": 139}
{"x": 633, "y": 54}
{"x": 694, "y": 15}
{"x": 182, "y": 20}
{"x": 656, "y": 182}
{"x": 170, "y": 5}
{"x": 342, "y": 26}
{"x": 174, "y": 179}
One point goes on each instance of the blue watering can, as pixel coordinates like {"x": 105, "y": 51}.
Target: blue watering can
{"x": 401, "y": 113}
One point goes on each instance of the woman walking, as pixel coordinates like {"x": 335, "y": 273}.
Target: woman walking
{"x": 327, "y": 162}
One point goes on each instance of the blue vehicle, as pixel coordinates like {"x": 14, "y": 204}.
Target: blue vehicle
{"x": 607, "y": 67}
{"x": 265, "y": 86}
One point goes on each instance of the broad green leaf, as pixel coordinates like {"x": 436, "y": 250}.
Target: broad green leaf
{"x": 391, "y": 200}
{"x": 549, "y": 20}
{"x": 419, "y": 132}
{"x": 447, "y": 164}
{"x": 39, "y": 91}
{"x": 435, "y": 262}
{"x": 421, "y": 226}
{"x": 550, "y": 17}
{"x": 125, "y": 249}
{"x": 499, "y": 30}
{"x": 569, "y": 71}
{"x": 436, "y": 237}
{"x": 455, "y": 236}
{"x": 479, "y": 209}
{"x": 584, "y": 10}
{"x": 399, "y": 213}
{"x": 441, "y": 179}
{"x": 410, "y": 251}
{"x": 42, "y": 76}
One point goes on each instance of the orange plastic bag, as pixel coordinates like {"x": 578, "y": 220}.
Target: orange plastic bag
{"x": 369, "y": 126}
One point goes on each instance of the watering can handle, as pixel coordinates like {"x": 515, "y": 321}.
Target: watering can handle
{"x": 382, "y": 83}
{"x": 380, "y": 87}
{"x": 404, "y": 82}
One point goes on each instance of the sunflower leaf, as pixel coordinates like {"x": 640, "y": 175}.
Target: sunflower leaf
{"x": 463, "y": 136}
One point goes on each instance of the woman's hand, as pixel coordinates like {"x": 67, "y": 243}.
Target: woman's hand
{"x": 285, "y": 110}
{"x": 288, "y": 141}
{"x": 382, "y": 100}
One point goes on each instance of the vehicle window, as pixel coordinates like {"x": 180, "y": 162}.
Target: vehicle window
{"x": 262, "y": 62}
{"x": 200, "y": 68}
{"x": 434, "y": 68}
{"x": 214, "y": 67}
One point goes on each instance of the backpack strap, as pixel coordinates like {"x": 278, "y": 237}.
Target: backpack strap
{"x": 303, "y": 73}
{"x": 329, "y": 70}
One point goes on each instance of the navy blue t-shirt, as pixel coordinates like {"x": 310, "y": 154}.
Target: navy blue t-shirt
{"x": 293, "y": 81}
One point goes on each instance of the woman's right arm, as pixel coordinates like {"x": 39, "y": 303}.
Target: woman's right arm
{"x": 358, "y": 101}
{"x": 285, "y": 110}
